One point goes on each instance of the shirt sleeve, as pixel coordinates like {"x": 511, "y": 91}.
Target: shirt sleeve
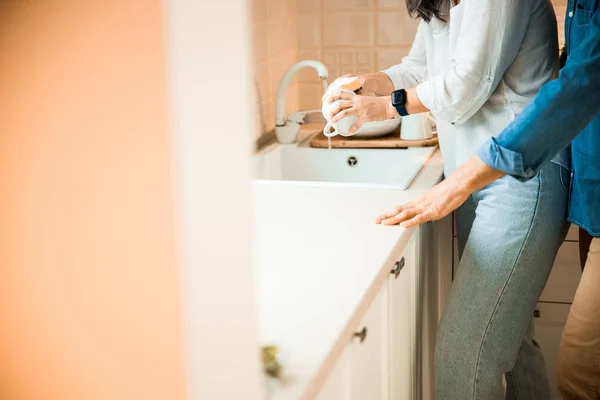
{"x": 413, "y": 68}
{"x": 490, "y": 36}
{"x": 562, "y": 109}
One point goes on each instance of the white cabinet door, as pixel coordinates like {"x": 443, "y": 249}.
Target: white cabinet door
{"x": 401, "y": 327}
{"x": 565, "y": 275}
{"x": 369, "y": 352}
{"x": 549, "y": 323}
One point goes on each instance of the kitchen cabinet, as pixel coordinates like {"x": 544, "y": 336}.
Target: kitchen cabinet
{"x": 382, "y": 359}
{"x": 377, "y": 361}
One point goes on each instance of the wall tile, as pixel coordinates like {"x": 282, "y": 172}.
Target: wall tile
{"x": 279, "y": 65}
{"x": 268, "y": 115}
{"x": 346, "y": 4}
{"x": 262, "y": 70}
{"x": 347, "y": 29}
{"x": 308, "y": 6}
{"x": 260, "y": 10}
{"x": 282, "y": 37}
{"x": 395, "y": 28}
{"x": 388, "y": 57}
{"x": 261, "y": 41}
{"x": 280, "y": 9}
{"x": 390, "y": 4}
{"x": 310, "y": 96}
{"x": 309, "y": 31}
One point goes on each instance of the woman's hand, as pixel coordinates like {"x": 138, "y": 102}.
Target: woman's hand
{"x": 435, "y": 204}
{"x": 366, "y": 108}
{"x": 378, "y": 83}
{"x": 335, "y": 86}
{"x": 445, "y": 197}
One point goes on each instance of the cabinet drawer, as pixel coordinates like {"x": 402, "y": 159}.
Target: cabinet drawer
{"x": 565, "y": 275}
{"x": 549, "y": 324}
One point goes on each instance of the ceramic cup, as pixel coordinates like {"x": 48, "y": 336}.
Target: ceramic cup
{"x": 417, "y": 127}
{"x": 343, "y": 126}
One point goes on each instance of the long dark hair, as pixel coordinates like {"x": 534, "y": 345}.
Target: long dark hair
{"x": 428, "y": 9}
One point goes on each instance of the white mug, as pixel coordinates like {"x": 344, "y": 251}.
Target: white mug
{"x": 343, "y": 126}
{"x": 416, "y": 127}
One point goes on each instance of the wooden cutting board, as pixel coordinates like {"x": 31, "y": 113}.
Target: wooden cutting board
{"x": 391, "y": 141}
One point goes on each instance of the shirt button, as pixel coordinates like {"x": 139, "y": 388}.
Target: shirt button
{"x": 571, "y": 14}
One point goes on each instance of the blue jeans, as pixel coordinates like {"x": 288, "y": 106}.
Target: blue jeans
{"x": 509, "y": 233}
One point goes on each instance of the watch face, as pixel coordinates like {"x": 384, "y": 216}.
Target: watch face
{"x": 399, "y": 98}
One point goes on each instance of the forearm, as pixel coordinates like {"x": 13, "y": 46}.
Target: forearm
{"x": 474, "y": 175}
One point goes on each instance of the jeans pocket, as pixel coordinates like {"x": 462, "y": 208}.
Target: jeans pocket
{"x": 565, "y": 179}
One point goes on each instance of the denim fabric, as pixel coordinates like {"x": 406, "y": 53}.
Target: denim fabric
{"x": 565, "y": 110}
{"x": 509, "y": 232}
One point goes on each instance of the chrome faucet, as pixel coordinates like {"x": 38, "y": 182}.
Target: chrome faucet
{"x": 286, "y": 129}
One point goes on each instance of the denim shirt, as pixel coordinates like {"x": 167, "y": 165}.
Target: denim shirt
{"x": 566, "y": 109}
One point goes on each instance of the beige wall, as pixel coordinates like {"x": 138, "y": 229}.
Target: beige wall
{"x": 349, "y": 36}
{"x": 274, "y": 25}
{"x": 89, "y": 290}
{"x": 560, "y": 6}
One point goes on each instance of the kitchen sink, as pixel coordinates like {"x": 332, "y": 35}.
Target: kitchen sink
{"x": 380, "y": 168}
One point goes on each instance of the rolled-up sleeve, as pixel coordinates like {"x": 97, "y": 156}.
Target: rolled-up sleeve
{"x": 491, "y": 33}
{"x": 413, "y": 68}
{"x": 562, "y": 109}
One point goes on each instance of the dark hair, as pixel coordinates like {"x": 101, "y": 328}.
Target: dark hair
{"x": 428, "y": 9}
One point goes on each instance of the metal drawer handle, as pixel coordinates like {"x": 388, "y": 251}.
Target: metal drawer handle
{"x": 398, "y": 267}
{"x": 362, "y": 335}
{"x": 536, "y": 314}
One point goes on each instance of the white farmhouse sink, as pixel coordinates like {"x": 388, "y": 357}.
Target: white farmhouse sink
{"x": 380, "y": 168}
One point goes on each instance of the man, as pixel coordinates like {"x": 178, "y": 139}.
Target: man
{"x": 565, "y": 110}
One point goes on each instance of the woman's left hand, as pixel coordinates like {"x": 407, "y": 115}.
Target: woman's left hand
{"x": 366, "y": 108}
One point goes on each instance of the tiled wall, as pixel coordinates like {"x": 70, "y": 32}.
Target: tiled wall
{"x": 275, "y": 50}
{"x": 358, "y": 36}
{"x": 350, "y": 36}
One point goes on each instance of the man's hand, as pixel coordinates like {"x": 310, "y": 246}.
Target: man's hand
{"x": 442, "y": 199}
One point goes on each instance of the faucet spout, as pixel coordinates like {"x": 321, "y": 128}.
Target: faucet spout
{"x": 285, "y": 83}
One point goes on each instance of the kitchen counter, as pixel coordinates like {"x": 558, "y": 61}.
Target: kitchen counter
{"x": 309, "y": 240}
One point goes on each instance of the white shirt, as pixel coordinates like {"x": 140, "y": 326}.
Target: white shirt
{"x": 480, "y": 69}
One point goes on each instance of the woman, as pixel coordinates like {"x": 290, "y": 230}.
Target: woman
{"x": 475, "y": 65}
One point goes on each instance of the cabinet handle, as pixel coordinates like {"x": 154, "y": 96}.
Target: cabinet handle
{"x": 398, "y": 267}
{"x": 362, "y": 334}
{"x": 536, "y": 314}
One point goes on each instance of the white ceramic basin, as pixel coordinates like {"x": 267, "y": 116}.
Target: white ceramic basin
{"x": 385, "y": 168}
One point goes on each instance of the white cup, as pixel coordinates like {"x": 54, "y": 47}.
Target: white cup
{"x": 343, "y": 126}
{"x": 416, "y": 127}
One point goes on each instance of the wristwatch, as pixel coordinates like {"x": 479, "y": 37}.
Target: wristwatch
{"x": 399, "y": 102}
